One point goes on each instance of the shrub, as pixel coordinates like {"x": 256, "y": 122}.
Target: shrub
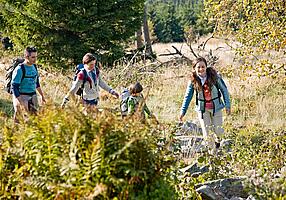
{"x": 67, "y": 155}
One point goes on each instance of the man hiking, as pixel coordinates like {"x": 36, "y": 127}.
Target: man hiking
{"x": 25, "y": 82}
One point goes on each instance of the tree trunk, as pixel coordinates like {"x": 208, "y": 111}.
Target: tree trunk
{"x": 138, "y": 34}
{"x": 146, "y": 33}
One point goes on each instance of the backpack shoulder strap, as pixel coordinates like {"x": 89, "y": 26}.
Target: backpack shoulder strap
{"x": 217, "y": 85}
{"x": 218, "y": 90}
{"x": 97, "y": 71}
{"x": 23, "y": 71}
{"x": 134, "y": 99}
{"x": 36, "y": 67}
{"x": 221, "y": 80}
{"x": 85, "y": 75}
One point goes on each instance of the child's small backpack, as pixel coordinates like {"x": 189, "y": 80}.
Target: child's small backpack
{"x": 124, "y": 96}
{"x": 80, "y": 67}
{"x": 9, "y": 73}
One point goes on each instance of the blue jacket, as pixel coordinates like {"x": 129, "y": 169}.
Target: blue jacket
{"x": 200, "y": 104}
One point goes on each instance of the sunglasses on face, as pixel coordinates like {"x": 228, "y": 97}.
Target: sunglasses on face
{"x": 32, "y": 49}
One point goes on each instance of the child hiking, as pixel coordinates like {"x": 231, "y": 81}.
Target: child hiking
{"x": 208, "y": 86}
{"x": 25, "y": 82}
{"x": 136, "y": 103}
{"x": 88, "y": 81}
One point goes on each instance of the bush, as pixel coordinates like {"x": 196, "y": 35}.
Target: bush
{"x": 68, "y": 155}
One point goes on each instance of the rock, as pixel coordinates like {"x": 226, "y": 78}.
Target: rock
{"x": 229, "y": 187}
{"x": 190, "y": 145}
{"x": 190, "y": 139}
{"x": 250, "y": 198}
{"x": 196, "y": 174}
{"x": 208, "y": 193}
{"x": 188, "y": 128}
{"x": 204, "y": 169}
{"x": 195, "y": 170}
{"x": 236, "y": 198}
{"x": 191, "y": 168}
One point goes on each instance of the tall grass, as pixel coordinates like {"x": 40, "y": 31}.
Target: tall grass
{"x": 257, "y": 123}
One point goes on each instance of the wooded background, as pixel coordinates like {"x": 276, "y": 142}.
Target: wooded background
{"x": 64, "y": 30}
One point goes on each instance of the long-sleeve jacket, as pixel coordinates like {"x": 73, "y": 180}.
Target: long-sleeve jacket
{"x": 200, "y": 100}
{"x": 91, "y": 86}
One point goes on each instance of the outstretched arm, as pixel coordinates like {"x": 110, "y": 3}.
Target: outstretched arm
{"x": 74, "y": 88}
{"x": 187, "y": 99}
{"x": 106, "y": 87}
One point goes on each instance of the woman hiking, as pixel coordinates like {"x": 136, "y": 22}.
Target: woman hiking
{"x": 209, "y": 87}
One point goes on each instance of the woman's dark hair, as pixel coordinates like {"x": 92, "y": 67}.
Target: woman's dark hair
{"x": 136, "y": 88}
{"x": 87, "y": 58}
{"x": 211, "y": 74}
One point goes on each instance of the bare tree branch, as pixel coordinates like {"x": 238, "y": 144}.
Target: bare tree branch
{"x": 176, "y": 53}
{"x": 168, "y": 54}
{"x": 191, "y": 48}
{"x": 212, "y": 36}
{"x": 129, "y": 62}
{"x": 180, "y": 53}
{"x": 204, "y": 44}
